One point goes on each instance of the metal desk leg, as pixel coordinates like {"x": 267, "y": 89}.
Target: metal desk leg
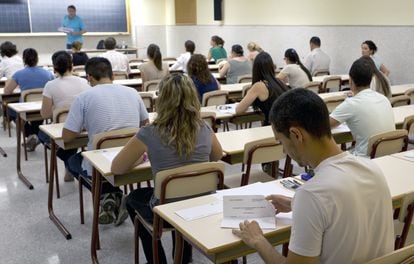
{"x": 18, "y": 161}
{"x": 96, "y": 178}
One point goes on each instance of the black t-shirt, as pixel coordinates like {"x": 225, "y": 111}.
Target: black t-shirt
{"x": 79, "y": 58}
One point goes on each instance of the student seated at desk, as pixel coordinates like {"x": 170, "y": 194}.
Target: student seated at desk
{"x": 172, "y": 140}
{"x": 217, "y": 50}
{"x": 104, "y": 107}
{"x": 155, "y": 68}
{"x": 238, "y": 65}
{"x": 79, "y": 57}
{"x": 344, "y": 213}
{"x": 11, "y": 62}
{"x": 31, "y": 77}
{"x": 59, "y": 94}
{"x": 119, "y": 61}
{"x": 183, "y": 59}
{"x": 199, "y": 72}
{"x": 294, "y": 73}
{"x": 366, "y": 113}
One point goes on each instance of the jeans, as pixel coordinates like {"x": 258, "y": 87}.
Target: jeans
{"x": 75, "y": 167}
{"x": 138, "y": 200}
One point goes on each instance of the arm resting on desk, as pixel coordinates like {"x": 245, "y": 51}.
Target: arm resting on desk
{"x": 258, "y": 90}
{"x": 68, "y": 135}
{"x": 10, "y": 86}
{"x": 129, "y": 156}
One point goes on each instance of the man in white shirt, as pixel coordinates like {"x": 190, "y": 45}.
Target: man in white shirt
{"x": 182, "y": 60}
{"x": 11, "y": 62}
{"x": 366, "y": 113}
{"x": 118, "y": 60}
{"x": 341, "y": 215}
{"x": 316, "y": 59}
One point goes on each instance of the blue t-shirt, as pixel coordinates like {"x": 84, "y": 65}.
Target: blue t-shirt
{"x": 32, "y": 77}
{"x": 77, "y": 25}
{"x": 204, "y": 88}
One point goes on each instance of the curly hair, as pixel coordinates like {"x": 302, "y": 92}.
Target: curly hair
{"x": 198, "y": 68}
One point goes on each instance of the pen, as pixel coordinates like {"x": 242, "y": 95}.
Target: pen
{"x": 298, "y": 183}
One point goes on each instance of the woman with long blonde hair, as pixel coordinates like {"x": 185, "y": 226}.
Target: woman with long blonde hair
{"x": 178, "y": 136}
{"x": 254, "y": 49}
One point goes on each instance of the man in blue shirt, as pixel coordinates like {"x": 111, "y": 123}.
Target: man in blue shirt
{"x": 72, "y": 21}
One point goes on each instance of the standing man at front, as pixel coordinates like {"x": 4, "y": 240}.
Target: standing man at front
{"x": 72, "y": 21}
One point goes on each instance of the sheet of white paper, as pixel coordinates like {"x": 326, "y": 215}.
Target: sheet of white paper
{"x": 201, "y": 211}
{"x": 237, "y": 208}
{"x": 31, "y": 105}
{"x": 110, "y": 155}
{"x": 227, "y": 108}
{"x": 342, "y": 128}
{"x": 287, "y": 216}
{"x": 65, "y": 29}
{"x": 409, "y": 154}
{"x": 258, "y": 188}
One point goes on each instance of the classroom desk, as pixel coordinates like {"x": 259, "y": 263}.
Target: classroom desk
{"x": 102, "y": 168}
{"x": 134, "y": 83}
{"x": 221, "y": 80}
{"x": 401, "y": 112}
{"x": 402, "y": 155}
{"x": 235, "y": 90}
{"x": 220, "y": 245}
{"x": 54, "y": 131}
{"x": 129, "y": 50}
{"x": 25, "y": 112}
{"x": 344, "y": 77}
{"x": 400, "y": 89}
{"x": 6, "y": 99}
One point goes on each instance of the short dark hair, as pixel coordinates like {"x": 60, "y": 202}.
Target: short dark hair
{"x": 237, "y": 49}
{"x": 361, "y": 72}
{"x": 189, "y": 46}
{"x": 8, "y": 49}
{"x": 62, "y": 62}
{"x": 371, "y": 45}
{"x": 303, "y": 108}
{"x": 110, "y": 43}
{"x": 98, "y": 68}
{"x": 30, "y": 57}
{"x": 316, "y": 41}
{"x": 71, "y": 7}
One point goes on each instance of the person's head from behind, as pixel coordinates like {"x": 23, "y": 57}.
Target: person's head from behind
{"x": 237, "y": 51}
{"x": 76, "y": 46}
{"x": 178, "y": 108}
{"x": 263, "y": 67}
{"x": 291, "y": 56}
{"x": 154, "y": 54}
{"x": 98, "y": 70}
{"x": 8, "y": 49}
{"x": 360, "y": 74}
{"x": 252, "y": 46}
{"x": 110, "y": 43}
{"x": 216, "y": 41}
{"x": 30, "y": 57}
{"x": 300, "y": 121}
{"x": 315, "y": 42}
{"x": 197, "y": 67}
{"x": 62, "y": 62}
{"x": 368, "y": 48}
{"x": 189, "y": 46}
{"x": 382, "y": 85}
{"x": 71, "y": 11}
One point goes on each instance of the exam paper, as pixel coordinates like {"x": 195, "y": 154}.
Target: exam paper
{"x": 201, "y": 211}
{"x": 257, "y": 188}
{"x": 110, "y": 155}
{"x": 227, "y": 108}
{"x": 409, "y": 154}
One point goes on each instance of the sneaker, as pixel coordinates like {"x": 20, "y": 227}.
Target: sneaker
{"x": 68, "y": 176}
{"x": 107, "y": 211}
{"x": 122, "y": 211}
{"x": 31, "y": 143}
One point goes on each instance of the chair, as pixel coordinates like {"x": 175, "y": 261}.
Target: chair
{"x": 258, "y": 152}
{"x": 320, "y": 73}
{"x": 177, "y": 184}
{"x": 401, "y": 256}
{"x": 151, "y": 85}
{"x": 333, "y": 101}
{"x": 148, "y": 99}
{"x": 245, "y": 89}
{"x": 120, "y": 75}
{"x": 410, "y": 93}
{"x": 313, "y": 86}
{"x": 405, "y": 216}
{"x": 210, "y": 119}
{"x": 218, "y": 97}
{"x": 247, "y": 78}
{"x": 409, "y": 126}
{"x": 109, "y": 139}
{"x": 400, "y": 100}
{"x": 331, "y": 84}
{"x": 387, "y": 143}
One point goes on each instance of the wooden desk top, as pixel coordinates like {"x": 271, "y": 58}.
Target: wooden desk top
{"x": 325, "y": 96}
{"x": 128, "y": 82}
{"x": 401, "y": 112}
{"x": 401, "y": 88}
{"x": 54, "y": 131}
{"x": 234, "y": 88}
{"x": 403, "y": 155}
{"x": 344, "y": 77}
{"x": 26, "y": 107}
{"x": 16, "y": 93}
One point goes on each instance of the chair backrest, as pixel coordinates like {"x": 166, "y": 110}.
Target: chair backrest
{"x": 410, "y": 93}
{"x": 151, "y": 85}
{"x": 263, "y": 151}
{"x": 387, "y": 143}
{"x": 402, "y": 256}
{"x": 333, "y": 102}
{"x": 113, "y": 138}
{"x": 245, "y": 89}
{"x": 320, "y": 72}
{"x": 331, "y": 84}
{"x": 32, "y": 95}
{"x": 400, "y": 100}
{"x": 120, "y": 75}
{"x": 188, "y": 181}
{"x": 220, "y": 61}
{"x": 313, "y": 86}
{"x": 78, "y": 68}
{"x": 148, "y": 99}
{"x": 218, "y": 97}
{"x": 409, "y": 126}
{"x": 60, "y": 115}
{"x": 169, "y": 59}
{"x": 247, "y": 78}
{"x": 210, "y": 119}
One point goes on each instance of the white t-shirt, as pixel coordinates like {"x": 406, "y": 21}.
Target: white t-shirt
{"x": 118, "y": 60}
{"x": 344, "y": 213}
{"x": 317, "y": 60}
{"x": 297, "y": 78}
{"x": 181, "y": 63}
{"x": 8, "y": 66}
{"x": 63, "y": 90}
{"x": 366, "y": 114}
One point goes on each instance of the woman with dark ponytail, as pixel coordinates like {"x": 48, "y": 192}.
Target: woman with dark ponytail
{"x": 155, "y": 68}
{"x": 295, "y": 73}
